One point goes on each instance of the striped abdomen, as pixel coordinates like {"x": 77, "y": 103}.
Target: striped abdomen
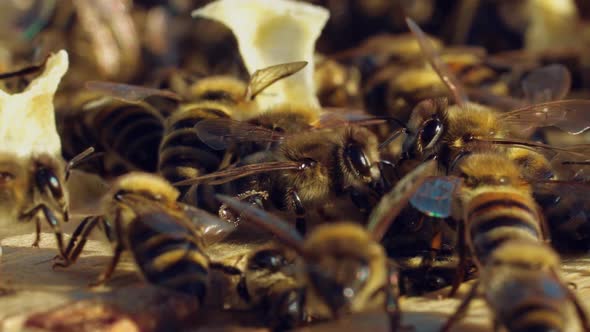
{"x": 496, "y": 217}
{"x": 530, "y": 300}
{"x": 169, "y": 254}
{"x": 132, "y": 133}
{"x": 182, "y": 154}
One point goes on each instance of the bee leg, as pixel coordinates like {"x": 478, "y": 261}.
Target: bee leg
{"x": 53, "y": 222}
{"x": 392, "y": 298}
{"x": 299, "y": 209}
{"x": 74, "y": 249}
{"x": 462, "y": 309}
{"x": 462, "y": 251}
{"x": 287, "y": 310}
{"x": 37, "y": 232}
{"x": 106, "y": 275}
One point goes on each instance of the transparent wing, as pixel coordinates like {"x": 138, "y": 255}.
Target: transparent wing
{"x": 435, "y": 195}
{"x": 443, "y": 71}
{"x": 218, "y": 134}
{"x": 127, "y": 92}
{"x": 263, "y": 78}
{"x": 273, "y": 224}
{"x": 231, "y": 174}
{"x": 333, "y": 117}
{"x": 552, "y": 82}
{"x": 394, "y": 201}
{"x": 571, "y": 115}
{"x": 213, "y": 228}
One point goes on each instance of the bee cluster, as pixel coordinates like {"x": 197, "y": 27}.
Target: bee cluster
{"x": 314, "y": 166}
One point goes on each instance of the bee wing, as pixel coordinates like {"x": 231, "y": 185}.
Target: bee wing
{"x": 213, "y": 228}
{"x": 571, "y": 115}
{"x": 263, "y": 78}
{"x": 552, "y": 82}
{"x": 218, "y": 134}
{"x": 394, "y": 201}
{"x": 435, "y": 196}
{"x": 334, "y": 117}
{"x": 157, "y": 216}
{"x": 275, "y": 225}
{"x": 231, "y": 174}
{"x": 127, "y": 92}
{"x": 443, "y": 71}
{"x": 572, "y": 162}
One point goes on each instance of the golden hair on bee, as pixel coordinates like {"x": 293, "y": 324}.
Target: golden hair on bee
{"x": 533, "y": 165}
{"x": 221, "y": 88}
{"x": 342, "y": 237}
{"x": 153, "y": 185}
{"x": 529, "y": 252}
{"x": 490, "y": 168}
{"x": 291, "y": 118}
{"x": 468, "y": 122}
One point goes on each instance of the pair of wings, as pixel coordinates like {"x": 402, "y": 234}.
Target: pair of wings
{"x": 260, "y": 80}
{"x": 543, "y": 88}
{"x": 380, "y": 219}
{"x": 221, "y": 133}
{"x": 212, "y": 229}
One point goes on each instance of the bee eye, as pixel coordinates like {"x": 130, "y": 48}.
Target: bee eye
{"x": 6, "y": 177}
{"x": 118, "y": 196}
{"x": 46, "y": 177}
{"x": 430, "y": 133}
{"x": 267, "y": 260}
{"x": 357, "y": 159}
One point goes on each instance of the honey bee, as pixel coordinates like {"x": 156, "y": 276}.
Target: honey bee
{"x": 337, "y": 85}
{"x": 302, "y": 173}
{"x": 499, "y": 214}
{"x": 32, "y": 170}
{"x": 117, "y": 120}
{"x": 182, "y": 154}
{"x": 520, "y": 282}
{"x": 343, "y": 269}
{"x": 166, "y": 239}
{"x": 437, "y": 130}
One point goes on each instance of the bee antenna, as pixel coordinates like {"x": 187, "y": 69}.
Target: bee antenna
{"x": 392, "y": 137}
{"x": 458, "y": 157}
{"x": 80, "y": 158}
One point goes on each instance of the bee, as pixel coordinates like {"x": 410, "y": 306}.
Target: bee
{"x": 521, "y": 284}
{"x": 182, "y": 154}
{"x": 499, "y": 214}
{"x": 32, "y": 170}
{"x": 140, "y": 214}
{"x": 301, "y": 174}
{"x": 265, "y": 282}
{"x": 117, "y": 120}
{"x": 343, "y": 269}
{"x": 437, "y": 130}
{"x": 337, "y": 85}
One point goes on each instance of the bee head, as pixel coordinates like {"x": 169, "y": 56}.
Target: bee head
{"x": 343, "y": 266}
{"x": 360, "y": 157}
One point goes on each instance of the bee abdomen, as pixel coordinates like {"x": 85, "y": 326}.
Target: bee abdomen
{"x": 182, "y": 154}
{"x": 495, "y": 218}
{"x": 173, "y": 261}
{"x": 536, "y": 317}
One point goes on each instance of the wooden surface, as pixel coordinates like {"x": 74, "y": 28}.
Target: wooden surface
{"x": 31, "y": 294}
